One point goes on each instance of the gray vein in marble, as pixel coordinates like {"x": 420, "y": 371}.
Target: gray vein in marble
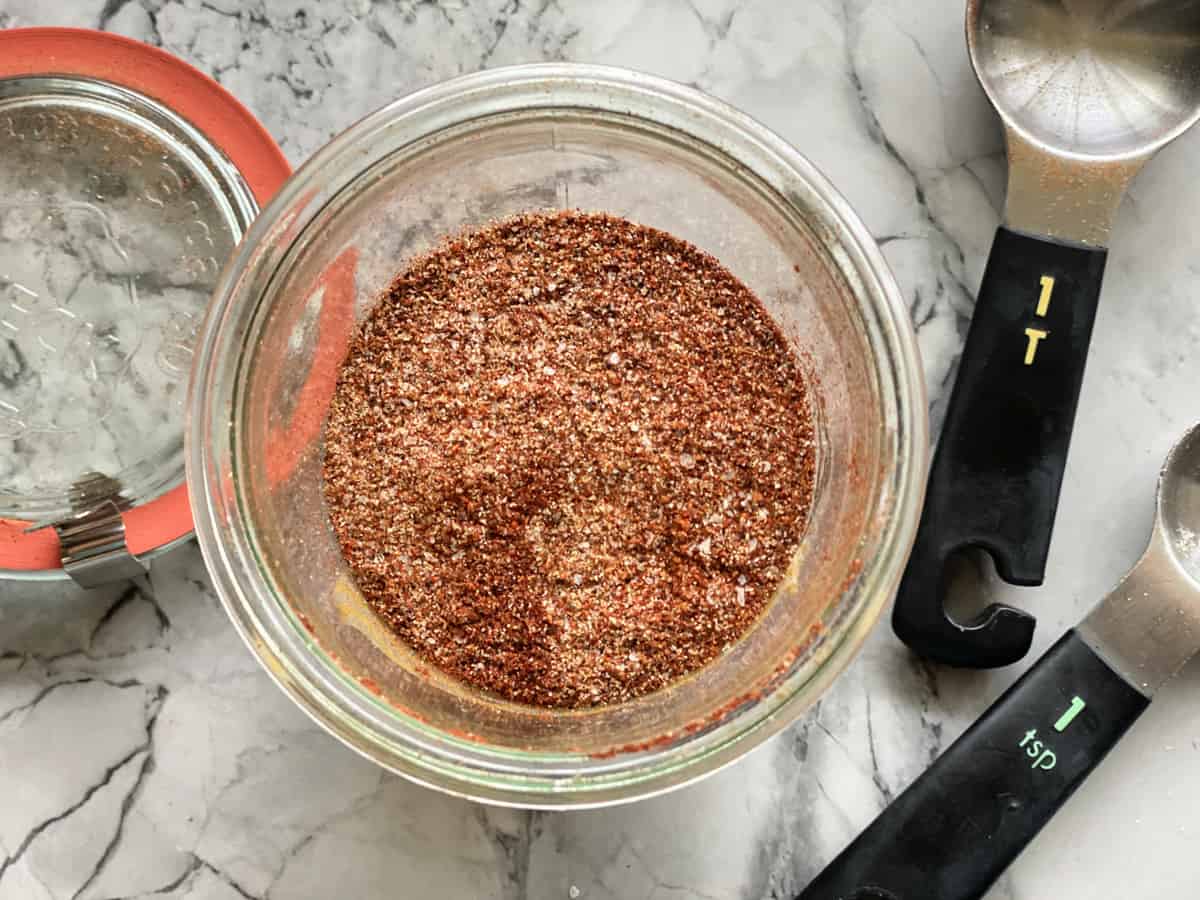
{"x": 953, "y": 256}
{"x": 39, "y": 697}
{"x": 516, "y": 846}
{"x": 876, "y": 775}
{"x": 143, "y": 768}
{"x": 153, "y": 708}
{"x": 224, "y": 877}
{"x": 245, "y": 798}
{"x": 109, "y": 12}
{"x": 716, "y": 29}
{"x": 500, "y": 24}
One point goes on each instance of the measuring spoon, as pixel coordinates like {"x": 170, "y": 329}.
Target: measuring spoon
{"x": 1087, "y": 90}
{"x": 955, "y": 830}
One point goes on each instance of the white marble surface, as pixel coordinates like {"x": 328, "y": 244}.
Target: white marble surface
{"x": 143, "y": 752}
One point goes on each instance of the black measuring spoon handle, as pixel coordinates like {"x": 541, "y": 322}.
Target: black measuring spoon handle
{"x": 952, "y": 833}
{"x": 998, "y": 469}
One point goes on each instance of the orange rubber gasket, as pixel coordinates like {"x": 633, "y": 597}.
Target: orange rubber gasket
{"x": 230, "y": 127}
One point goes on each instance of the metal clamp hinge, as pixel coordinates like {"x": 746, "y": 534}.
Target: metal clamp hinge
{"x": 92, "y": 539}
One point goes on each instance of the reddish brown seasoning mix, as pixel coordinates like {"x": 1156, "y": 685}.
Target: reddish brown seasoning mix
{"x": 569, "y": 458}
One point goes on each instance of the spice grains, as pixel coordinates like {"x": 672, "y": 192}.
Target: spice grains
{"x": 569, "y": 458}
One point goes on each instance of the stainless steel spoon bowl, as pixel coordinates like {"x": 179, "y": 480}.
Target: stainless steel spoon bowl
{"x": 1149, "y": 626}
{"x": 1087, "y": 90}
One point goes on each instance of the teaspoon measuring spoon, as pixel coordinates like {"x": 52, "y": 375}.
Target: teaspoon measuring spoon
{"x": 952, "y": 833}
{"x": 1088, "y": 91}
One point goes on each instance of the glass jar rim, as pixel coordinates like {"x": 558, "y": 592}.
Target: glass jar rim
{"x": 456, "y": 765}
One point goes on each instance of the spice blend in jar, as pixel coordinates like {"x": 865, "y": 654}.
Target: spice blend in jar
{"x": 569, "y": 458}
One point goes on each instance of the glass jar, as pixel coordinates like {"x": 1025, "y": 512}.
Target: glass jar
{"x": 458, "y": 155}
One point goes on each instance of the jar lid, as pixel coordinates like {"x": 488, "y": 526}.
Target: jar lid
{"x": 127, "y": 179}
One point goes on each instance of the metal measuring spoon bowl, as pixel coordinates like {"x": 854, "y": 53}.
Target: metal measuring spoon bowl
{"x": 1149, "y": 627}
{"x": 953, "y": 832}
{"x": 1087, "y": 90}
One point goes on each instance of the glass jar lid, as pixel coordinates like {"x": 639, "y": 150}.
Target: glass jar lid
{"x": 127, "y": 180}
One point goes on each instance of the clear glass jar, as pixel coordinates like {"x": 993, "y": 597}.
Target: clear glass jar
{"x": 460, "y": 154}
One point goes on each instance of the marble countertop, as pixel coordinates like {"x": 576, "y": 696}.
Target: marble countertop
{"x": 144, "y": 753}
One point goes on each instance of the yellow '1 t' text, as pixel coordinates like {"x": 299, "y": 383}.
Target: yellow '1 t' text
{"x": 1035, "y": 335}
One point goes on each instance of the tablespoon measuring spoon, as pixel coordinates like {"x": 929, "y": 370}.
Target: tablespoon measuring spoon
{"x": 1087, "y": 90}
{"x": 952, "y": 833}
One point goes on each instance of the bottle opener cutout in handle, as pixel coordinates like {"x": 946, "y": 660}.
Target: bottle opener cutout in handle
{"x": 999, "y": 465}
{"x": 1082, "y": 114}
